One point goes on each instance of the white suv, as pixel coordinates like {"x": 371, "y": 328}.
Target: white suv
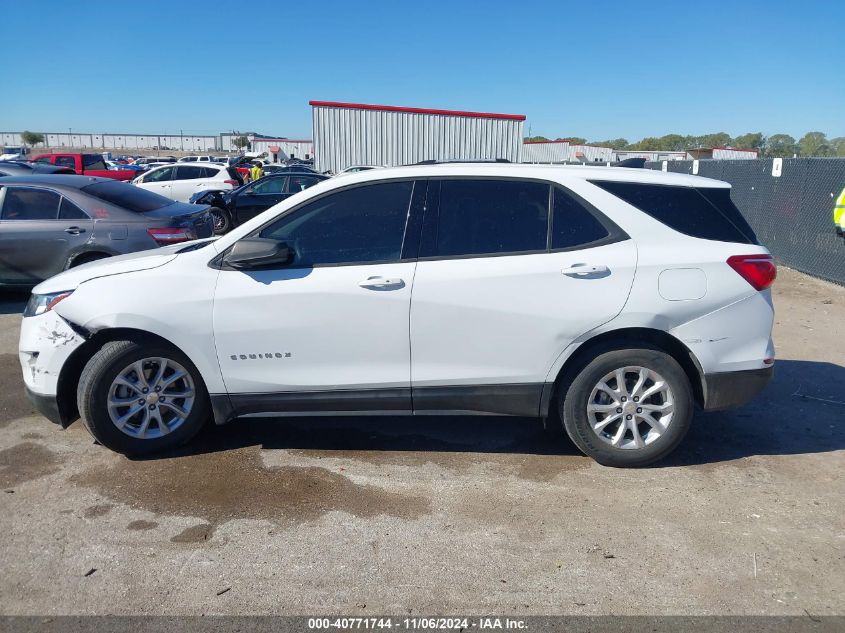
{"x": 180, "y": 181}
{"x": 612, "y": 299}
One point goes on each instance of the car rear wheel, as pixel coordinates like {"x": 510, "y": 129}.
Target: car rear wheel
{"x": 628, "y": 407}
{"x": 221, "y": 219}
{"x": 138, "y": 399}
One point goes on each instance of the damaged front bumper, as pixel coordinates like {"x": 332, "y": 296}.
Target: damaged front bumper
{"x": 46, "y": 342}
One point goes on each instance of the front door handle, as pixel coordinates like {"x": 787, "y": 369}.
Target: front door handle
{"x": 74, "y": 230}
{"x": 577, "y": 270}
{"x": 382, "y": 283}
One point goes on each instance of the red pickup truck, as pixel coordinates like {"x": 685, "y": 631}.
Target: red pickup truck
{"x": 86, "y": 164}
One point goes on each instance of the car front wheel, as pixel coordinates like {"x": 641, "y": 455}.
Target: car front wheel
{"x": 628, "y": 407}
{"x": 137, "y": 399}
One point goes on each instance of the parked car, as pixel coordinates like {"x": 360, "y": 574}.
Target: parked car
{"x": 129, "y": 166}
{"x": 180, "y": 182}
{"x": 194, "y": 159}
{"x": 21, "y": 168}
{"x": 277, "y": 168}
{"x": 150, "y": 160}
{"x": 354, "y": 169}
{"x": 51, "y": 223}
{"x": 615, "y": 299}
{"x": 85, "y": 165}
{"x": 233, "y": 208}
{"x": 14, "y": 152}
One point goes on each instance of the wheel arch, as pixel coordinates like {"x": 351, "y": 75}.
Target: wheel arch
{"x": 72, "y": 368}
{"x": 86, "y": 251}
{"x": 636, "y": 337}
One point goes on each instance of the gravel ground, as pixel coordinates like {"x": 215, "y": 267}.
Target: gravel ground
{"x": 460, "y": 515}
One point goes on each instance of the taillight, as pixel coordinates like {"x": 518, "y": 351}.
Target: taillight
{"x": 758, "y": 270}
{"x": 234, "y": 183}
{"x": 171, "y": 236}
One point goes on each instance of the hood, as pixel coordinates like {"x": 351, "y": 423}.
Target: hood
{"x": 142, "y": 260}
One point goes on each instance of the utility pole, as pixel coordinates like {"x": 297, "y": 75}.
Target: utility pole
{"x": 181, "y": 140}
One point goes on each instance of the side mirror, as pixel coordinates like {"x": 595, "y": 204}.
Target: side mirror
{"x": 257, "y": 252}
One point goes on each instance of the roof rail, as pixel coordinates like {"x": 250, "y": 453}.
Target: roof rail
{"x": 433, "y": 161}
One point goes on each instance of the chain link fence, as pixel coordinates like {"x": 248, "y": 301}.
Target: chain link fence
{"x": 792, "y": 214}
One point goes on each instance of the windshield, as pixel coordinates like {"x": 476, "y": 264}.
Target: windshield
{"x": 127, "y": 196}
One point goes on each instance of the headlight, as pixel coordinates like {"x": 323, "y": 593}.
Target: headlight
{"x": 39, "y": 304}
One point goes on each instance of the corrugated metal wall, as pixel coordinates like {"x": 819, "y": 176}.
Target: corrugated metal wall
{"x": 733, "y": 154}
{"x": 554, "y": 152}
{"x": 349, "y": 136}
{"x": 590, "y": 154}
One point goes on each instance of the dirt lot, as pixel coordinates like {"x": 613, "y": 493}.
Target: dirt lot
{"x": 364, "y": 516}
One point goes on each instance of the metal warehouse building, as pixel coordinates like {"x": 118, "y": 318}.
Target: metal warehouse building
{"x": 360, "y": 134}
{"x": 279, "y": 149}
{"x": 545, "y": 152}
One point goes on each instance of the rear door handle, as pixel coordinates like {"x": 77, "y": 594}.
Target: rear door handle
{"x": 382, "y": 283}
{"x": 74, "y": 230}
{"x": 584, "y": 269}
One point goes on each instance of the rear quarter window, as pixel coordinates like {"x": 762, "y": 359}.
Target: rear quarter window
{"x": 705, "y": 213}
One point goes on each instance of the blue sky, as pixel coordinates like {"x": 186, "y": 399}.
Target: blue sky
{"x": 600, "y": 70}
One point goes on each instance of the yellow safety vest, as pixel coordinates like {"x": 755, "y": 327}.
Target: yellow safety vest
{"x": 839, "y": 211}
{"x": 255, "y": 172}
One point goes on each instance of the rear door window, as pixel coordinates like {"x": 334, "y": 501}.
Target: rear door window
{"x": 92, "y": 161}
{"x": 269, "y": 185}
{"x": 685, "y": 209}
{"x": 301, "y": 183}
{"x": 69, "y": 211}
{"x": 481, "y": 217}
{"x": 189, "y": 172}
{"x": 25, "y": 203}
{"x": 574, "y": 225}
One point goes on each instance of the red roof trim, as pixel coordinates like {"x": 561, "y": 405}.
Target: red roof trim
{"x": 386, "y": 108}
{"x": 543, "y": 142}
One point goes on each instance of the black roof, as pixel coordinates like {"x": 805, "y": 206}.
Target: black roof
{"x": 54, "y": 180}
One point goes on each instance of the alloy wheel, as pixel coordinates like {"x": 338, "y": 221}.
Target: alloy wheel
{"x": 630, "y": 407}
{"x": 151, "y": 397}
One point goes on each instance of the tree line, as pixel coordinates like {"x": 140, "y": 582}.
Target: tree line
{"x": 783, "y": 145}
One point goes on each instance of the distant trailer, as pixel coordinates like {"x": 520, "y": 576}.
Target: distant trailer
{"x": 348, "y": 134}
{"x": 722, "y": 153}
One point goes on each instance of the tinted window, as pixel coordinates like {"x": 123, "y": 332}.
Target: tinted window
{"x": 65, "y": 161}
{"x": 127, "y": 196}
{"x": 269, "y": 185}
{"x": 159, "y": 175}
{"x": 492, "y": 216}
{"x": 209, "y": 172}
{"x": 93, "y": 161}
{"x": 44, "y": 159}
{"x": 721, "y": 199}
{"x": 69, "y": 211}
{"x": 189, "y": 172}
{"x": 572, "y": 223}
{"x": 30, "y": 204}
{"x": 301, "y": 183}
{"x": 683, "y": 209}
{"x": 363, "y": 224}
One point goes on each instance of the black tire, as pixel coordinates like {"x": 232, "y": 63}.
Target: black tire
{"x": 93, "y": 391}
{"x": 86, "y": 258}
{"x": 222, "y": 220}
{"x": 573, "y": 407}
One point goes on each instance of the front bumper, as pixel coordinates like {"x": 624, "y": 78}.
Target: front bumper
{"x": 734, "y": 388}
{"x": 46, "y": 342}
{"x": 47, "y": 406}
